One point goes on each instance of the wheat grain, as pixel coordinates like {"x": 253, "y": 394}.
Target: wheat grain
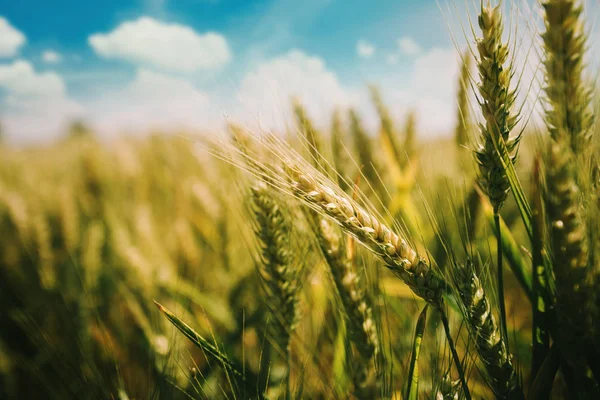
{"x": 489, "y": 343}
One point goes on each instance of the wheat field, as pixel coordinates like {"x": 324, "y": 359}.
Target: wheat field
{"x": 320, "y": 264}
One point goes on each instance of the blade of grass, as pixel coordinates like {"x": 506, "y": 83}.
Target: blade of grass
{"x": 215, "y": 308}
{"x": 457, "y": 362}
{"x": 412, "y": 391}
{"x": 500, "y": 279}
{"x": 510, "y": 248}
{"x": 237, "y": 379}
{"x": 542, "y": 384}
{"x": 540, "y": 328}
{"x": 515, "y": 183}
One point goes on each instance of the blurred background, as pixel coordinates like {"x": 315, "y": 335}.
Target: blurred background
{"x": 137, "y": 66}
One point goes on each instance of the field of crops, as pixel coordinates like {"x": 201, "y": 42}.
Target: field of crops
{"x": 319, "y": 264}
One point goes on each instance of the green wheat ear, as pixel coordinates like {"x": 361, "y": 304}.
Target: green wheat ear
{"x": 570, "y": 248}
{"x": 341, "y": 158}
{"x": 462, "y": 132}
{"x": 568, "y": 96}
{"x": 447, "y": 389}
{"x": 273, "y": 230}
{"x": 496, "y": 100}
{"x": 489, "y": 343}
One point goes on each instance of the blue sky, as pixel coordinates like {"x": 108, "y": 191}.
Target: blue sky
{"x": 135, "y": 65}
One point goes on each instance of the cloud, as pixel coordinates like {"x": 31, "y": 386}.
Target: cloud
{"x": 431, "y": 91}
{"x": 11, "y": 39}
{"x": 168, "y": 46}
{"x": 51, "y": 57}
{"x": 20, "y": 79}
{"x": 35, "y": 106}
{"x": 392, "y": 59}
{"x": 365, "y": 49}
{"x": 265, "y": 92}
{"x": 153, "y": 101}
{"x": 408, "y": 46}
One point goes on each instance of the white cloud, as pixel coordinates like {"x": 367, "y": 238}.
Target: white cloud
{"x": 19, "y": 78}
{"x": 36, "y": 106}
{"x": 392, "y": 59}
{"x": 431, "y": 91}
{"x": 408, "y": 46}
{"x": 365, "y": 49}
{"x": 11, "y": 39}
{"x": 153, "y": 101}
{"x": 265, "y": 92}
{"x": 51, "y": 57}
{"x": 165, "y": 45}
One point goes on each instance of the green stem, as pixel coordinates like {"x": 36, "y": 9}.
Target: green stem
{"x": 455, "y": 357}
{"x": 288, "y": 389}
{"x": 503, "y": 326}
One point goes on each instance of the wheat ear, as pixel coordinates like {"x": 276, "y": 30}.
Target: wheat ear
{"x": 361, "y": 326}
{"x": 398, "y": 255}
{"x": 490, "y": 345}
{"x": 496, "y": 100}
{"x": 570, "y": 250}
{"x": 362, "y": 330}
{"x": 463, "y": 118}
{"x": 363, "y": 146}
{"x": 447, "y": 389}
{"x": 341, "y": 157}
{"x": 387, "y": 126}
{"x": 276, "y": 268}
{"x": 568, "y": 96}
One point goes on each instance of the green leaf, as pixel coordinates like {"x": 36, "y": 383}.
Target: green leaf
{"x": 339, "y": 358}
{"x": 543, "y": 382}
{"x": 518, "y": 265}
{"x": 540, "y": 330}
{"x": 214, "y": 307}
{"x": 237, "y": 380}
{"x": 412, "y": 391}
{"x": 515, "y": 184}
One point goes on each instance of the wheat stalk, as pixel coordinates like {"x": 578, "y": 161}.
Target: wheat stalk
{"x": 410, "y": 139}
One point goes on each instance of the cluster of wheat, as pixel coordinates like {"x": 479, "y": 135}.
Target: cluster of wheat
{"x": 491, "y": 287}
